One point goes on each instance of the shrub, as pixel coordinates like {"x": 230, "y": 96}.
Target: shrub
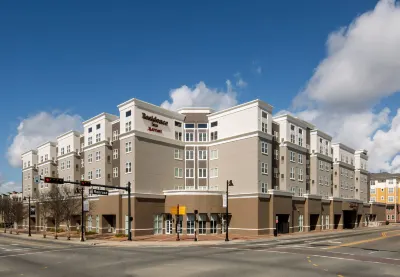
{"x": 88, "y": 233}
{"x": 121, "y": 235}
{"x": 387, "y": 222}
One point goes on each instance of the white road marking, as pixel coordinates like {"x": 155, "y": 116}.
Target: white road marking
{"x": 15, "y": 244}
{"x": 48, "y": 251}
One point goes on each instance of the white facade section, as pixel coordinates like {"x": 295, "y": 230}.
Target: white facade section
{"x": 98, "y": 129}
{"x": 320, "y": 142}
{"x": 343, "y": 153}
{"x": 69, "y": 142}
{"x": 292, "y": 129}
{"x": 47, "y": 152}
{"x": 29, "y": 159}
{"x": 388, "y": 183}
{"x": 361, "y": 159}
{"x": 242, "y": 119}
{"x": 136, "y": 115}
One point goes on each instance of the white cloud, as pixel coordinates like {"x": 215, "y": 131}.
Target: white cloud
{"x": 240, "y": 83}
{"x": 361, "y": 68}
{"x": 259, "y": 69}
{"x": 201, "y": 96}
{"x": 9, "y": 186}
{"x": 37, "y": 129}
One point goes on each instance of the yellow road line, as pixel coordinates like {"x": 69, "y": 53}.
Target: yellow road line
{"x": 361, "y": 241}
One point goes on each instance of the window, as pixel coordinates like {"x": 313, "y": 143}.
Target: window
{"x": 381, "y": 190}
{"x": 300, "y": 158}
{"x": 189, "y": 125}
{"x": 276, "y": 154}
{"x": 327, "y": 167}
{"x": 264, "y": 187}
{"x": 189, "y": 155}
{"x": 128, "y": 167}
{"x": 90, "y": 159}
{"x": 189, "y": 136}
{"x": 292, "y": 138}
{"x": 202, "y": 154}
{"x": 41, "y": 159}
{"x": 62, "y": 150}
{"x": 178, "y": 154}
{"x": 128, "y": 147}
{"x": 128, "y": 113}
{"x": 301, "y": 223}
{"x": 115, "y": 135}
{"x": 292, "y": 156}
{"x": 202, "y": 172}
{"x": 178, "y": 135}
{"x": 90, "y": 177}
{"x": 276, "y": 172}
{"x": 276, "y": 136}
{"x": 300, "y": 137}
{"x": 264, "y": 127}
{"x": 213, "y": 172}
{"x": 178, "y": 124}
{"x": 68, "y": 148}
{"x": 264, "y": 147}
{"x": 190, "y": 224}
{"x": 90, "y": 141}
{"x": 373, "y": 199}
{"x": 264, "y": 168}
{"x": 46, "y": 171}
{"x": 178, "y": 172}
{"x": 46, "y": 157}
{"x": 326, "y": 181}
{"x": 202, "y": 125}
{"x": 98, "y": 173}
{"x": 214, "y": 124}
{"x": 128, "y": 126}
{"x": 373, "y": 191}
{"x": 390, "y": 199}
{"x": 292, "y": 173}
{"x": 68, "y": 164}
{"x": 202, "y": 224}
{"x": 214, "y": 135}
{"x": 41, "y": 171}
{"x": 98, "y": 136}
{"x": 203, "y": 136}
{"x": 189, "y": 173}
{"x": 382, "y": 198}
{"x": 90, "y": 130}
{"x": 391, "y": 190}
{"x": 300, "y": 174}
{"x": 115, "y": 154}
{"x": 62, "y": 166}
{"x": 214, "y": 154}
{"x": 98, "y": 156}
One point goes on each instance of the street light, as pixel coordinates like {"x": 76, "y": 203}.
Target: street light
{"x": 29, "y": 214}
{"x": 228, "y": 184}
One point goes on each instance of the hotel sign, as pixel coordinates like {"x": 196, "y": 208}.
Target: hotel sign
{"x": 154, "y": 123}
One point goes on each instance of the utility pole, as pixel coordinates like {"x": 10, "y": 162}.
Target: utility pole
{"x": 82, "y": 217}
{"x": 195, "y": 224}
{"x": 128, "y": 188}
{"x": 29, "y": 216}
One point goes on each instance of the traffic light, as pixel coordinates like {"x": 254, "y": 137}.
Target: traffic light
{"x": 53, "y": 180}
{"x": 85, "y": 183}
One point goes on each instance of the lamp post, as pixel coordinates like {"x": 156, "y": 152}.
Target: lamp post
{"x": 29, "y": 215}
{"x": 228, "y": 184}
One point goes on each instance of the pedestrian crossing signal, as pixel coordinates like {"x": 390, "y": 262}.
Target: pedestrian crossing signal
{"x": 54, "y": 180}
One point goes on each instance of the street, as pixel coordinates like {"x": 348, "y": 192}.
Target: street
{"x": 367, "y": 254}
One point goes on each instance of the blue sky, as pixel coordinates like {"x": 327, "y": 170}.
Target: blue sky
{"x": 85, "y": 57}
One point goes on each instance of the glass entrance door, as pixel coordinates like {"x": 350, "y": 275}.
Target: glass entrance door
{"x": 168, "y": 224}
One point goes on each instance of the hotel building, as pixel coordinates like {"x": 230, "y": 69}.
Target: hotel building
{"x": 385, "y": 188}
{"x": 287, "y": 174}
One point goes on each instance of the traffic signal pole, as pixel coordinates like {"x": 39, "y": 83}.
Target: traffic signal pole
{"x": 128, "y": 188}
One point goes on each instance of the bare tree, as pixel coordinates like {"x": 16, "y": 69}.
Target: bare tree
{"x": 56, "y": 206}
{"x": 44, "y": 210}
{"x": 19, "y": 212}
{"x": 71, "y": 206}
{"x": 7, "y": 213}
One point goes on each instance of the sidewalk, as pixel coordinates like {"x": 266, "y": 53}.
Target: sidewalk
{"x": 186, "y": 240}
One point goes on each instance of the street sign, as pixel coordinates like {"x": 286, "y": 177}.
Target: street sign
{"x": 179, "y": 228}
{"x": 99, "y": 191}
{"x": 36, "y": 179}
{"x": 182, "y": 210}
{"x": 86, "y": 206}
{"x": 224, "y": 201}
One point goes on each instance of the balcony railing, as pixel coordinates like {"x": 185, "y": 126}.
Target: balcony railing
{"x": 193, "y": 188}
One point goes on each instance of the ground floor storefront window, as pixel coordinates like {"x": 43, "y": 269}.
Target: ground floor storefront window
{"x": 202, "y": 224}
{"x": 213, "y": 223}
{"x": 158, "y": 224}
{"x": 301, "y": 223}
{"x": 190, "y": 224}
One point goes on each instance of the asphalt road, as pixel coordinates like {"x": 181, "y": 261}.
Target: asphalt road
{"x": 363, "y": 255}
